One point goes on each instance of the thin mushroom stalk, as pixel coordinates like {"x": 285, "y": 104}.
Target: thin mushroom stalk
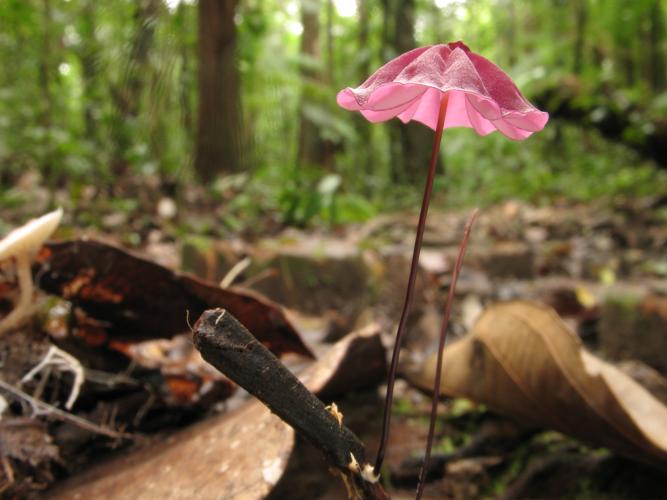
{"x": 441, "y": 86}
{"x": 441, "y": 349}
{"x": 407, "y": 302}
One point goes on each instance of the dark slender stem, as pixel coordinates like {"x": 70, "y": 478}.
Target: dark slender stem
{"x": 426, "y": 200}
{"x": 441, "y": 348}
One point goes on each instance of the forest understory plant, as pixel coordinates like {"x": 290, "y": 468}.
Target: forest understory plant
{"x": 441, "y": 86}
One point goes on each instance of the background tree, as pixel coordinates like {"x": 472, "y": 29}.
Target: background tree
{"x": 312, "y": 149}
{"x": 127, "y": 93}
{"x": 411, "y": 143}
{"x": 219, "y": 132}
{"x": 175, "y": 91}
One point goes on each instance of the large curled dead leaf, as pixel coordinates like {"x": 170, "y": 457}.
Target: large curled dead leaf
{"x": 240, "y": 455}
{"x": 141, "y": 300}
{"x": 521, "y": 360}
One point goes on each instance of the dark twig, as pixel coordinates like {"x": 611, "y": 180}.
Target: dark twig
{"x": 426, "y": 200}
{"x": 441, "y": 347}
{"x": 232, "y": 349}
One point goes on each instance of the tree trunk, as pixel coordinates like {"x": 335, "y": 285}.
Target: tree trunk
{"x": 510, "y": 31}
{"x": 581, "y": 14}
{"x": 127, "y": 95}
{"x": 331, "y": 63}
{"x": 88, "y": 55}
{"x": 656, "y": 46}
{"x": 363, "y": 128}
{"x": 186, "y": 71}
{"x": 312, "y": 149}
{"x": 219, "y": 133}
{"x": 46, "y": 73}
{"x": 412, "y": 142}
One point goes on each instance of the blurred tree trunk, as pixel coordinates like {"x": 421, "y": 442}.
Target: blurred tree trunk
{"x": 219, "y": 132}
{"x": 330, "y": 41}
{"x": 656, "y": 46}
{"x": 363, "y": 127}
{"x": 410, "y": 143}
{"x": 88, "y": 54}
{"x": 127, "y": 95}
{"x": 47, "y": 71}
{"x": 312, "y": 149}
{"x": 186, "y": 70}
{"x": 581, "y": 18}
{"x": 510, "y": 32}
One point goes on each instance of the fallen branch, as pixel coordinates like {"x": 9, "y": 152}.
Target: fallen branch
{"x": 232, "y": 349}
{"x": 47, "y": 409}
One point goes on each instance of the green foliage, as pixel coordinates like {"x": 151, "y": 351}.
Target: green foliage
{"x": 68, "y": 65}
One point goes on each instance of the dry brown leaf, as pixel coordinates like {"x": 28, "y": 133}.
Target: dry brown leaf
{"x": 522, "y": 361}
{"x": 239, "y": 456}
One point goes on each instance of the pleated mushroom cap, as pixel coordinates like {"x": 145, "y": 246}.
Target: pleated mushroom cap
{"x": 481, "y": 95}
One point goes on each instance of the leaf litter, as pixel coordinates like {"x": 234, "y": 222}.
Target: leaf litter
{"x": 141, "y": 380}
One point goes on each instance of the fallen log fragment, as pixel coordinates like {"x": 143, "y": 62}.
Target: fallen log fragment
{"x": 232, "y": 349}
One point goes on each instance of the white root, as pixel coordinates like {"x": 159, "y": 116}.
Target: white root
{"x": 234, "y": 272}
{"x": 62, "y": 361}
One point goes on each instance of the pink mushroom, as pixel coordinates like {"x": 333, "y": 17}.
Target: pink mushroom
{"x": 441, "y": 86}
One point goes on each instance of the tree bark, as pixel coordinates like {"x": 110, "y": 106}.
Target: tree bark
{"x": 186, "y": 70}
{"x": 411, "y": 143}
{"x": 88, "y": 54}
{"x": 219, "y": 132}
{"x": 312, "y": 149}
{"x": 581, "y": 19}
{"x": 363, "y": 128}
{"x": 511, "y": 32}
{"x": 656, "y": 46}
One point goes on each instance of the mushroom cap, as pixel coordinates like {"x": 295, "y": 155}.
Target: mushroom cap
{"x": 411, "y": 86}
{"x": 30, "y": 237}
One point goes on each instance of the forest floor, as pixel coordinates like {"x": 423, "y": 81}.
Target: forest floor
{"x": 601, "y": 266}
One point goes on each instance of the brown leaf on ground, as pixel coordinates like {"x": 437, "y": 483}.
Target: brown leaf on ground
{"x": 522, "y": 361}
{"x": 142, "y": 300}
{"x": 240, "y": 455}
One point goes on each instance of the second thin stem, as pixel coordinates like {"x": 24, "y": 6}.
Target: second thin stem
{"x": 426, "y": 200}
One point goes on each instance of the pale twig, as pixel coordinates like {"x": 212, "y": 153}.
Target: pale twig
{"x": 40, "y": 407}
{"x": 234, "y": 272}
{"x": 267, "y": 273}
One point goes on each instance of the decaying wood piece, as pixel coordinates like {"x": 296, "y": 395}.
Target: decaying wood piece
{"x": 232, "y": 349}
{"x": 138, "y": 299}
